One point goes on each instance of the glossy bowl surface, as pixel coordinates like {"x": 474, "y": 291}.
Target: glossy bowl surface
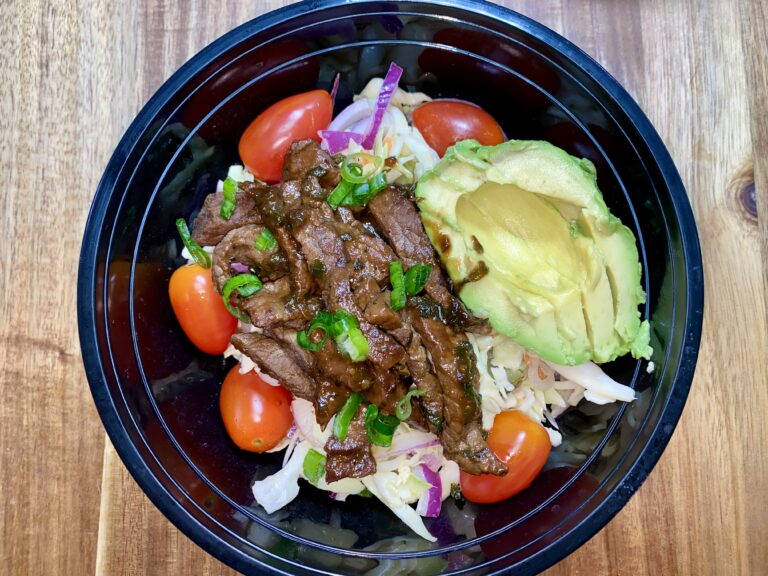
{"x": 157, "y": 395}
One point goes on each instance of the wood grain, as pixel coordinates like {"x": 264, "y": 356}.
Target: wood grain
{"x": 75, "y": 73}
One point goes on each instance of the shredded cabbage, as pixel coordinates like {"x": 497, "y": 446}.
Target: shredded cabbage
{"x": 513, "y": 378}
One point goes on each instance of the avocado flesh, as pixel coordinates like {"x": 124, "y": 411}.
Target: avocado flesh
{"x": 563, "y": 273}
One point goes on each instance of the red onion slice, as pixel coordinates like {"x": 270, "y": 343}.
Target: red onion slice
{"x": 336, "y": 141}
{"x": 239, "y": 268}
{"x": 430, "y": 502}
{"x": 335, "y": 88}
{"x": 388, "y": 88}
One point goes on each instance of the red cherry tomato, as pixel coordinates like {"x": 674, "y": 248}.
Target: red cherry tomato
{"x": 256, "y": 415}
{"x": 445, "y": 122}
{"x": 523, "y": 445}
{"x": 200, "y": 310}
{"x": 264, "y": 143}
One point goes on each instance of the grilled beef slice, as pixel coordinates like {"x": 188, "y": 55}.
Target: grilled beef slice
{"x": 274, "y": 360}
{"x": 351, "y": 457}
{"x": 209, "y": 227}
{"x": 453, "y": 360}
{"x": 307, "y": 158}
{"x": 397, "y": 218}
{"x": 239, "y": 246}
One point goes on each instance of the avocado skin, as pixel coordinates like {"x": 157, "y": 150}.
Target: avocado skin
{"x": 561, "y": 274}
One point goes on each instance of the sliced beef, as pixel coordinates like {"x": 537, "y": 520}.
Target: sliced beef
{"x": 379, "y": 312}
{"x": 273, "y": 306}
{"x": 383, "y": 350}
{"x": 431, "y": 400}
{"x": 287, "y": 337}
{"x": 453, "y": 360}
{"x": 351, "y": 457}
{"x": 398, "y": 220}
{"x": 274, "y": 203}
{"x": 301, "y": 278}
{"x": 274, "y": 360}
{"x": 367, "y": 252}
{"x": 209, "y": 227}
{"x": 330, "y": 398}
{"x": 387, "y": 390}
{"x": 319, "y": 240}
{"x": 355, "y": 376}
{"x": 306, "y": 157}
{"x": 239, "y": 247}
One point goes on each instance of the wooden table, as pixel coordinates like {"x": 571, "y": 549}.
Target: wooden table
{"x": 73, "y": 75}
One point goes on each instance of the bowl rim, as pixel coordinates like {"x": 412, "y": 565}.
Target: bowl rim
{"x": 670, "y": 413}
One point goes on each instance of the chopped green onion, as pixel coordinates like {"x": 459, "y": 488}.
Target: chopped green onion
{"x": 230, "y": 199}
{"x": 246, "y": 285}
{"x": 343, "y": 327}
{"x": 350, "y": 340}
{"x": 416, "y": 278}
{"x": 365, "y": 493}
{"x": 365, "y": 192}
{"x": 343, "y": 322}
{"x": 352, "y": 172}
{"x": 265, "y": 241}
{"x": 314, "y": 466}
{"x": 359, "y": 167}
{"x": 403, "y": 407}
{"x": 397, "y": 279}
{"x": 353, "y": 344}
{"x": 345, "y": 415}
{"x": 380, "y": 427}
{"x": 306, "y": 338}
{"x": 200, "y": 256}
{"x": 343, "y": 188}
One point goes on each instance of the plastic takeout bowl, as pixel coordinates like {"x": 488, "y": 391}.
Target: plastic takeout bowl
{"x": 158, "y": 396}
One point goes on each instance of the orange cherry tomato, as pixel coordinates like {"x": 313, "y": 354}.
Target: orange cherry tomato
{"x": 523, "y": 445}
{"x": 445, "y": 122}
{"x": 257, "y": 416}
{"x": 200, "y": 310}
{"x": 264, "y": 143}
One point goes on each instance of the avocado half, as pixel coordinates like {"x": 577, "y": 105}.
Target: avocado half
{"x": 527, "y": 239}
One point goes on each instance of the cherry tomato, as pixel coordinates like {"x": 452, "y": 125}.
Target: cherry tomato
{"x": 264, "y": 143}
{"x": 523, "y": 445}
{"x": 200, "y": 310}
{"x": 445, "y": 122}
{"x": 256, "y": 415}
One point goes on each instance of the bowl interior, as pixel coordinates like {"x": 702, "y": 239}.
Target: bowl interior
{"x": 163, "y": 393}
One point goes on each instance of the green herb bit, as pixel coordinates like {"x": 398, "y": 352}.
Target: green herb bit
{"x": 397, "y": 279}
{"x": 336, "y": 197}
{"x": 200, "y": 256}
{"x": 345, "y": 415}
{"x": 403, "y": 408}
{"x": 314, "y": 466}
{"x": 265, "y": 241}
{"x": 416, "y": 278}
{"x": 246, "y": 285}
{"x": 315, "y": 336}
{"x": 230, "y": 199}
{"x": 363, "y": 193}
{"x": 359, "y": 167}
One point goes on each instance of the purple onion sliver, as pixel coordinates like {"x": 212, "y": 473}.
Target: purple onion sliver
{"x": 239, "y": 268}
{"x": 335, "y": 89}
{"x": 388, "y": 88}
{"x": 430, "y": 502}
{"x": 412, "y": 448}
{"x": 336, "y": 141}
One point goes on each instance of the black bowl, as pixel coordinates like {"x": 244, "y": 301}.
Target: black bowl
{"x": 157, "y": 395}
